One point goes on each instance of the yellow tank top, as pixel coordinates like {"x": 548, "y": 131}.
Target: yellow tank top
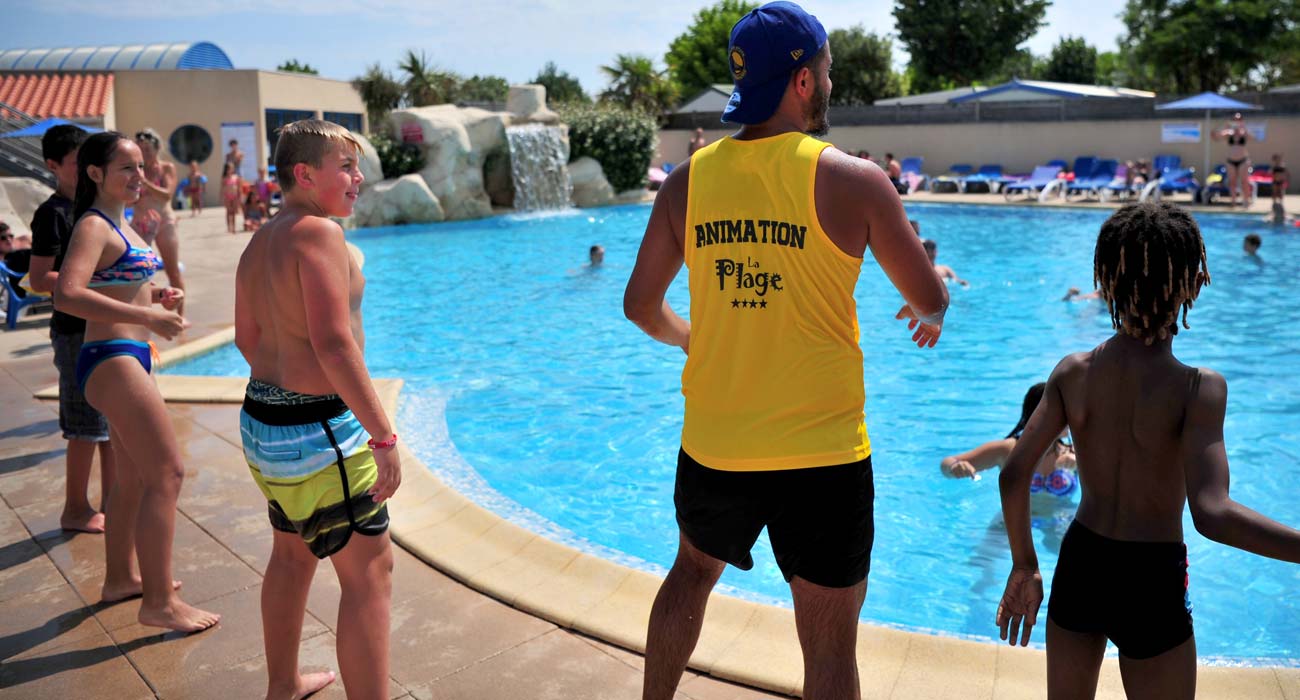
{"x": 774, "y": 375}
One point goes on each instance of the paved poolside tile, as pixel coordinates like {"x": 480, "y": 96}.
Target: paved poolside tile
{"x": 538, "y": 560}
{"x": 622, "y": 617}
{"x": 451, "y": 628}
{"x": 497, "y": 544}
{"x": 557, "y": 600}
{"x": 33, "y": 473}
{"x": 725, "y": 619}
{"x": 44, "y": 619}
{"x": 881, "y": 654}
{"x": 25, "y": 569}
{"x": 555, "y": 666}
{"x": 68, "y": 671}
{"x": 766, "y": 653}
{"x": 708, "y": 688}
{"x": 247, "y": 679}
{"x": 1238, "y": 683}
{"x": 172, "y": 661}
{"x": 968, "y": 667}
{"x": 1289, "y": 680}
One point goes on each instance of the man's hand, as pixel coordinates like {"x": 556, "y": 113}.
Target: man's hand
{"x": 390, "y": 474}
{"x": 926, "y": 334}
{"x": 1018, "y": 611}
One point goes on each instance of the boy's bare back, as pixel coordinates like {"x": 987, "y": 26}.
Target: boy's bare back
{"x": 1127, "y": 405}
{"x": 274, "y": 319}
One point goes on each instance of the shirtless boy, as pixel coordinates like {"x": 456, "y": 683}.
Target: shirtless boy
{"x": 317, "y": 440}
{"x": 1148, "y": 435}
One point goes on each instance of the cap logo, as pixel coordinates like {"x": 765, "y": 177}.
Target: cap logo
{"x": 737, "y": 63}
{"x": 796, "y": 54}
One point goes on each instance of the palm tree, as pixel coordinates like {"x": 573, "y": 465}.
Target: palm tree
{"x": 634, "y": 83}
{"x": 425, "y": 83}
{"x": 381, "y": 93}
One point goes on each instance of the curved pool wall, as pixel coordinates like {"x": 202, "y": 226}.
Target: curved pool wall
{"x": 570, "y": 417}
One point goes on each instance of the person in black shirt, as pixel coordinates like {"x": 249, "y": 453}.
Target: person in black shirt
{"x": 83, "y": 427}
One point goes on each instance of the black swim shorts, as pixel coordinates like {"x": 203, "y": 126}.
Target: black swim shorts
{"x": 821, "y": 520}
{"x": 1135, "y": 593}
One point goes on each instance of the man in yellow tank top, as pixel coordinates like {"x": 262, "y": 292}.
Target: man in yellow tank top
{"x": 772, "y": 225}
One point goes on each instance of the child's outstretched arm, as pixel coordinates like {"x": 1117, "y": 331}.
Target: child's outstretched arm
{"x": 1018, "y": 611}
{"x": 967, "y": 464}
{"x": 1205, "y": 464}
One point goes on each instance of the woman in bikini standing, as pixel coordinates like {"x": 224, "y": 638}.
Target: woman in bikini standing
{"x": 105, "y": 279}
{"x": 155, "y": 208}
{"x": 1238, "y": 159}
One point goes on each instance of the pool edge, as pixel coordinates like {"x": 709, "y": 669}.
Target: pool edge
{"x": 742, "y": 641}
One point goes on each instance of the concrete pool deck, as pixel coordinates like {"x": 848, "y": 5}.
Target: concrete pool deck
{"x": 449, "y": 639}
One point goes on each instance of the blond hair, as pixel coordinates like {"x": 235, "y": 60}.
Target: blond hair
{"x": 307, "y": 141}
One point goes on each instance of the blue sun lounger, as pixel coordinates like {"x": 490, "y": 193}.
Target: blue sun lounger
{"x": 1042, "y": 176}
{"x": 954, "y": 181}
{"x": 1102, "y": 175}
{"x": 14, "y": 304}
{"x": 983, "y": 180}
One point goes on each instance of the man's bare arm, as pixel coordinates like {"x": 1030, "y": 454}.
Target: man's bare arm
{"x": 657, "y": 264}
{"x": 43, "y": 278}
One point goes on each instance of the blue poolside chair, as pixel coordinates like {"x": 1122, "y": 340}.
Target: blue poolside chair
{"x": 1164, "y": 163}
{"x": 1102, "y": 175}
{"x": 1171, "y": 182}
{"x": 1042, "y": 176}
{"x": 983, "y": 180}
{"x": 15, "y": 303}
{"x": 912, "y": 166}
{"x": 1083, "y": 167}
{"x": 954, "y": 181}
{"x": 1118, "y": 186}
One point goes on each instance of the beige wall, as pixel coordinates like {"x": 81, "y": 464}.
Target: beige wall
{"x": 1019, "y": 146}
{"x": 167, "y": 100}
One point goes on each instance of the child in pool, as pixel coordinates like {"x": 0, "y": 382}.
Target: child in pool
{"x": 1149, "y": 435}
{"x": 1054, "y": 472}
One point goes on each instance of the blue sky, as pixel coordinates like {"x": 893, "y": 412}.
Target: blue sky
{"x": 511, "y": 38}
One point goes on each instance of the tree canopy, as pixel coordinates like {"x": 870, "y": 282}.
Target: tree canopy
{"x": 863, "y": 68}
{"x": 1198, "y": 45}
{"x": 561, "y": 88}
{"x": 380, "y": 91}
{"x": 698, "y": 58}
{"x": 634, "y": 83}
{"x": 960, "y": 42}
{"x": 1072, "y": 61}
{"x": 293, "y": 66}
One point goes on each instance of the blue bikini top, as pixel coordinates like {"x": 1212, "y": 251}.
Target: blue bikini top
{"x": 134, "y": 266}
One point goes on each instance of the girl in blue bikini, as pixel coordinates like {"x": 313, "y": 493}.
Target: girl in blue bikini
{"x": 105, "y": 280}
{"x": 1054, "y": 474}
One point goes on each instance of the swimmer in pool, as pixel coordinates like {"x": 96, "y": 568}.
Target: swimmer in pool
{"x": 1054, "y": 473}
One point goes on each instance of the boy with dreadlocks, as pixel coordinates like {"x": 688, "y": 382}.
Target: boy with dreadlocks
{"x": 1148, "y": 434}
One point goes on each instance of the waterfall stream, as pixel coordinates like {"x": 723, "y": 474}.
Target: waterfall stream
{"x": 538, "y": 165}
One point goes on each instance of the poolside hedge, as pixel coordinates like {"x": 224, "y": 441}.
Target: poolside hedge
{"x": 396, "y": 158}
{"x": 623, "y": 141}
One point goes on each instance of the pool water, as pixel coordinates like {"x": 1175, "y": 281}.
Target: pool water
{"x": 528, "y": 390}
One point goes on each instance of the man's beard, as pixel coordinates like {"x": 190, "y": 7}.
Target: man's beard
{"x": 815, "y": 117}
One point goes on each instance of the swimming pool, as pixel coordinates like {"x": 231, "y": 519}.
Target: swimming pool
{"x": 561, "y": 415}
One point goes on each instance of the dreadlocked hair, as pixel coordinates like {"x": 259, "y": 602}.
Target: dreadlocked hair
{"x": 1149, "y": 263}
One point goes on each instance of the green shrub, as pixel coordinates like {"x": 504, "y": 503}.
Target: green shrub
{"x": 621, "y": 140}
{"x": 397, "y": 158}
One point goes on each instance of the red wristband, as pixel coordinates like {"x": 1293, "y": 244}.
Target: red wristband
{"x": 388, "y": 444}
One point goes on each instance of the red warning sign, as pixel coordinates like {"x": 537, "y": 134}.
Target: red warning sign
{"x": 412, "y": 133}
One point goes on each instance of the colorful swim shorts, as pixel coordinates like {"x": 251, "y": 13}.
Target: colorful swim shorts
{"x": 309, "y": 456}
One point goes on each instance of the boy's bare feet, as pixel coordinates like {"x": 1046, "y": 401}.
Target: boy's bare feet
{"x": 113, "y": 593}
{"x": 179, "y": 616}
{"x": 307, "y": 685}
{"x": 91, "y": 521}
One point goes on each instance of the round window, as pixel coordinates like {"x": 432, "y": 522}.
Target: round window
{"x": 189, "y": 143}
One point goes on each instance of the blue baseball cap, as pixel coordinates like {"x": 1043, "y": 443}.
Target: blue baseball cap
{"x": 766, "y": 46}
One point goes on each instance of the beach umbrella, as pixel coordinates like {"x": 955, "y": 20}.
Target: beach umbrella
{"x": 38, "y": 129}
{"x": 1207, "y": 102}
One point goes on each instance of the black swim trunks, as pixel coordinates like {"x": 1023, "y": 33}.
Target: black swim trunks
{"x": 1135, "y": 593}
{"x": 821, "y": 520}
